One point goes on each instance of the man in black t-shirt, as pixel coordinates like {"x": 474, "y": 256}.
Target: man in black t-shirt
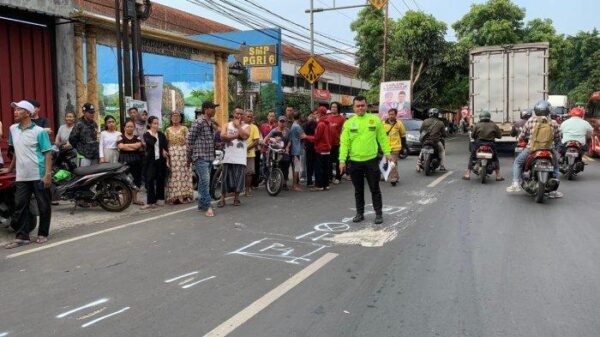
{"x": 37, "y": 120}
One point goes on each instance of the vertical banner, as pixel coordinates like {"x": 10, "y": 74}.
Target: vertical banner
{"x": 395, "y": 95}
{"x": 154, "y": 95}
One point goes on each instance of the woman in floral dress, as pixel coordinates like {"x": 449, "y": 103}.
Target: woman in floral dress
{"x": 179, "y": 182}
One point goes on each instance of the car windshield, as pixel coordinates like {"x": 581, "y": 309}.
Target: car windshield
{"x": 412, "y": 124}
{"x": 559, "y": 110}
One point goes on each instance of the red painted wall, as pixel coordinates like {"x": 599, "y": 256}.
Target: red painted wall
{"x": 25, "y": 70}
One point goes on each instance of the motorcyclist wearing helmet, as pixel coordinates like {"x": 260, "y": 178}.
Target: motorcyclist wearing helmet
{"x": 484, "y": 132}
{"x": 542, "y": 115}
{"x": 435, "y": 132}
{"x": 575, "y": 129}
{"x": 518, "y": 125}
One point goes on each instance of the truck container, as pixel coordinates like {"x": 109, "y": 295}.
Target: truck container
{"x": 505, "y": 80}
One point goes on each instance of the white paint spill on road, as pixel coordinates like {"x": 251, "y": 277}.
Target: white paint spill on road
{"x": 366, "y": 237}
{"x": 426, "y": 201}
{"x": 198, "y": 282}
{"x": 440, "y": 179}
{"x": 104, "y": 317}
{"x": 3, "y": 334}
{"x": 89, "y": 305}
{"x": 180, "y": 277}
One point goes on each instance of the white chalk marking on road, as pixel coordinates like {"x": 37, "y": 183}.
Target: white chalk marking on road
{"x": 260, "y": 304}
{"x": 3, "y": 334}
{"x": 189, "y": 279}
{"x": 181, "y": 276}
{"x": 197, "y": 282}
{"x": 104, "y": 317}
{"x": 440, "y": 179}
{"x": 89, "y": 305}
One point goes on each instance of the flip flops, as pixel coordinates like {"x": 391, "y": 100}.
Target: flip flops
{"x": 17, "y": 243}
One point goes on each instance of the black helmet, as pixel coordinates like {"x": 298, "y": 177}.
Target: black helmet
{"x": 542, "y": 108}
{"x": 433, "y": 112}
{"x": 525, "y": 114}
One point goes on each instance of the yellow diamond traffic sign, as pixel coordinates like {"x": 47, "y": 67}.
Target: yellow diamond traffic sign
{"x": 379, "y": 4}
{"x": 311, "y": 70}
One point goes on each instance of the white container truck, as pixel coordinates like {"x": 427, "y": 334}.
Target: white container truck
{"x": 505, "y": 80}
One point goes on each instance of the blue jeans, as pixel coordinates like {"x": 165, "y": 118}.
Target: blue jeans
{"x": 203, "y": 171}
{"x": 520, "y": 162}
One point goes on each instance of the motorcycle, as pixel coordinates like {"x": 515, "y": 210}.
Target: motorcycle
{"x": 538, "y": 174}
{"x": 430, "y": 160}
{"x": 484, "y": 165}
{"x": 571, "y": 162}
{"x": 272, "y": 173}
{"x": 108, "y": 185}
{"x": 216, "y": 177}
{"x": 7, "y": 204}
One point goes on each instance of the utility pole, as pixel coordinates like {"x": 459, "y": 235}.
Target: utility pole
{"x": 385, "y": 41}
{"x": 312, "y": 10}
{"x": 119, "y": 64}
{"x": 312, "y": 49}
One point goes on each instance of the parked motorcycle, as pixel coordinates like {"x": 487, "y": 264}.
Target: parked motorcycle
{"x": 7, "y": 204}
{"x": 571, "y": 162}
{"x": 108, "y": 185}
{"x": 216, "y": 176}
{"x": 538, "y": 174}
{"x": 484, "y": 163}
{"x": 430, "y": 160}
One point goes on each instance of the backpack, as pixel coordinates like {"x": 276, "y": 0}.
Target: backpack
{"x": 542, "y": 136}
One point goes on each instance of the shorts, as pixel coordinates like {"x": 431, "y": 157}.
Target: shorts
{"x": 250, "y": 166}
{"x": 297, "y": 164}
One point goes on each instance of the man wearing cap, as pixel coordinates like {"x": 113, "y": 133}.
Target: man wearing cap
{"x": 33, "y": 164}
{"x": 362, "y": 136}
{"x": 84, "y": 137}
{"x": 201, "y": 153}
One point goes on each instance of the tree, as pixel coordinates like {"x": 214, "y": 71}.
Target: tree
{"x": 369, "y": 43}
{"x": 417, "y": 38}
{"x": 495, "y": 22}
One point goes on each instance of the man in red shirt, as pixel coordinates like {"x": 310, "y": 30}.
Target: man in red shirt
{"x": 269, "y": 125}
{"x": 336, "y": 122}
{"x": 322, "y": 141}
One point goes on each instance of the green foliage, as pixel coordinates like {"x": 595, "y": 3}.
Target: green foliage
{"x": 200, "y": 96}
{"x": 495, "y": 22}
{"x": 369, "y": 42}
{"x": 267, "y": 98}
{"x": 300, "y": 102}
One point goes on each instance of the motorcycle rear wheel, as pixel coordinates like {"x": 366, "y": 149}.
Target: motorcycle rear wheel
{"x": 116, "y": 196}
{"x": 483, "y": 174}
{"x": 570, "y": 173}
{"x": 427, "y": 167}
{"x": 539, "y": 197}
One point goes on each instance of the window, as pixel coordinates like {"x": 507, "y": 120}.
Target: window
{"x": 334, "y": 88}
{"x": 356, "y": 91}
{"x": 287, "y": 81}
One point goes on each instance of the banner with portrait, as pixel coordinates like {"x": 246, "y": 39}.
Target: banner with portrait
{"x": 395, "y": 95}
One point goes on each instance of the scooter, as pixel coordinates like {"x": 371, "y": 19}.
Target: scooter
{"x": 108, "y": 185}
{"x": 484, "y": 165}
{"x": 571, "y": 162}
{"x": 7, "y": 204}
{"x": 430, "y": 158}
{"x": 538, "y": 174}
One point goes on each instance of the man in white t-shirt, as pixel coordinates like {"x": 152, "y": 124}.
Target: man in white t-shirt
{"x": 234, "y": 136}
{"x": 33, "y": 164}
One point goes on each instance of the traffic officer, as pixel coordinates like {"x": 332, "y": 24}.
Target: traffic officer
{"x": 362, "y": 137}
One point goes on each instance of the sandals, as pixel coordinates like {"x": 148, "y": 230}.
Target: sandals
{"x": 139, "y": 203}
{"x": 236, "y": 202}
{"x": 209, "y": 213}
{"x": 41, "y": 239}
{"x": 466, "y": 177}
{"x": 17, "y": 243}
{"x": 499, "y": 178}
{"x": 149, "y": 206}
{"x": 317, "y": 189}
{"x": 221, "y": 203}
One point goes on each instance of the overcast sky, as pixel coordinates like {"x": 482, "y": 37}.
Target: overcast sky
{"x": 569, "y": 16}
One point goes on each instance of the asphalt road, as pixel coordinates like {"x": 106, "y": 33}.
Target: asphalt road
{"x": 453, "y": 258}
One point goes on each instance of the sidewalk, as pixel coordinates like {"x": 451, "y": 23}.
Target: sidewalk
{"x": 63, "y": 220}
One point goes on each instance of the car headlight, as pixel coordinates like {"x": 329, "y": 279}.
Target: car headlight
{"x": 412, "y": 138}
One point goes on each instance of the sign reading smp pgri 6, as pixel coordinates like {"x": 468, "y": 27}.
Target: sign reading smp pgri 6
{"x": 258, "y": 56}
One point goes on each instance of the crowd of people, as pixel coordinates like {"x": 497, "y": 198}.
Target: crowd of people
{"x": 163, "y": 162}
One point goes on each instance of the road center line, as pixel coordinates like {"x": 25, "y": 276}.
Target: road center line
{"x": 250, "y": 311}
{"x": 440, "y": 179}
